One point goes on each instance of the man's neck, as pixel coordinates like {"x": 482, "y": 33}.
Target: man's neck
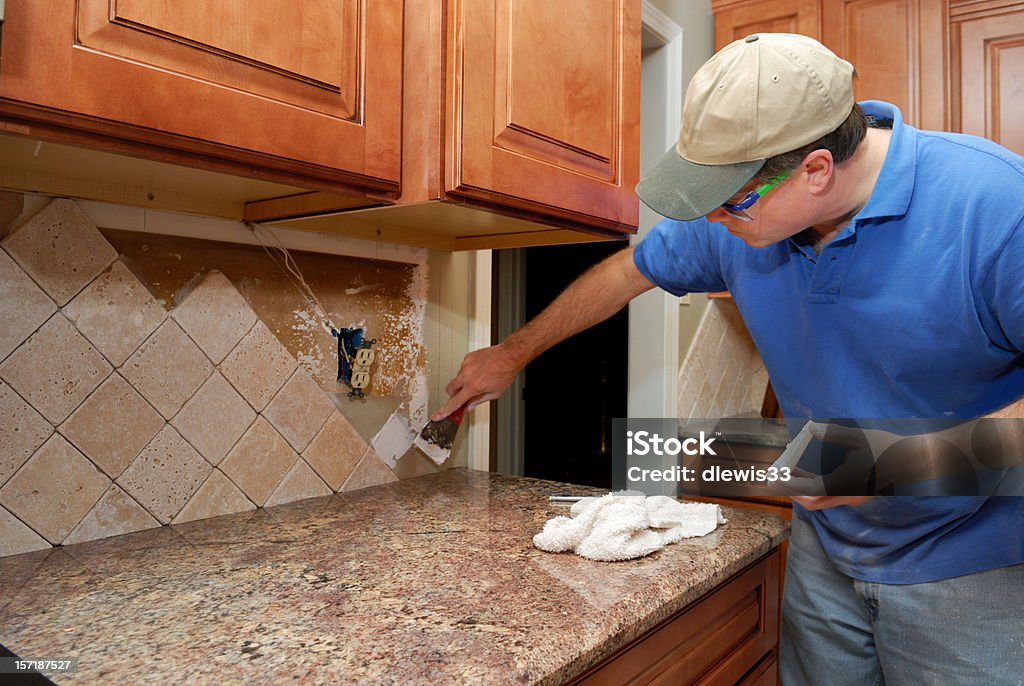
{"x": 855, "y": 180}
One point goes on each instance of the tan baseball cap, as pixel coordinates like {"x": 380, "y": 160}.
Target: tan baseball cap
{"x": 757, "y": 97}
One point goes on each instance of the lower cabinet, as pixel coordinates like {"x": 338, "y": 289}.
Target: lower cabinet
{"x": 729, "y": 636}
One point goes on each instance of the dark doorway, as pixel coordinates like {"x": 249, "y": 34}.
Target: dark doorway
{"x": 574, "y": 390}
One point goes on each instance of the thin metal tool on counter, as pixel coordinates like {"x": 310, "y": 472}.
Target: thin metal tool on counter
{"x": 577, "y": 498}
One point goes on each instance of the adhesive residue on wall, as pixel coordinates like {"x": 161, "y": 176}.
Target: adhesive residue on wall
{"x": 386, "y": 299}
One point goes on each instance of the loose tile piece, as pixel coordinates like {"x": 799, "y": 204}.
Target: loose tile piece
{"x": 23, "y": 305}
{"x": 113, "y": 425}
{"x": 393, "y": 439}
{"x": 115, "y": 514}
{"x": 16, "y": 538}
{"x": 369, "y": 472}
{"x": 258, "y": 366}
{"x": 214, "y": 418}
{"x": 259, "y": 461}
{"x": 165, "y": 475}
{"x": 55, "y": 369}
{"x": 299, "y": 483}
{"x": 116, "y": 313}
{"x": 335, "y": 451}
{"x": 60, "y": 249}
{"x": 54, "y": 490}
{"x": 217, "y": 496}
{"x": 215, "y": 315}
{"x": 22, "y": 431}
{"x": 299, "y": 409}
{"x": 168, "y": 369}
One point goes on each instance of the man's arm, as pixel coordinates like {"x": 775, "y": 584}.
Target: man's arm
{"x": 1012, "y": 435}
{"x": 596, "y": 295}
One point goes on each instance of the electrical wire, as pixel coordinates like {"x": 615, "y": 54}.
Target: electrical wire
{"x": 287, "y": 265}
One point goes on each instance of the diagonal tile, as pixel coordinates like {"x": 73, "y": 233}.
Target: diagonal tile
{"x": 54, "y": 489}
{"x": 259, "y": 461}
{"x": 165, "y": 474}
{"x": 116, "y": 313}
{"x": 335, "y": 451}
{"x": 22, "y": 431}
{"x": 168, "y": 369}
{"x": 215, "y": 315}
{"x": 23, "y": 305}
{"x": 114, "y": 514}
{"x": 16, "y": 538}
{"x": 258, "y": 366}
{"x": 299, "y": 483}
{"x": 299, "y": 409}
{"x": 113, "y": 425}
{"x": 369, "y": 472}
{"x": 60, "y": 249}
{"x": 55, "y": 369}
{"x": 217, "y": 496}
{"x": 214, "y": 418}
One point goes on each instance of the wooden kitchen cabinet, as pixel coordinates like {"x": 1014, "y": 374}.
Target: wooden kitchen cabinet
{"x": 522, "y": 127}
{"x": 950, "y": 65}
{"x": 465, "y": 124}
{"x": 987, "y": 64}
{"x": 304, "y": 91}
{"x": 728, "y": 637}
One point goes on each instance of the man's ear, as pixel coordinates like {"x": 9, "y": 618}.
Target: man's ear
{"x": 819, "y": 167}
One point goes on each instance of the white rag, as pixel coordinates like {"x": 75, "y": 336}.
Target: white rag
{"x": 615, "y": 527}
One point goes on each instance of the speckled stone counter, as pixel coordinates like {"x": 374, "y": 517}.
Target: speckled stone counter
{"x": 432, "y": 580}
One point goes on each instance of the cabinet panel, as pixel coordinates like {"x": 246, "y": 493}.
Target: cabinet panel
{"x": 883, "y": 39}
{"x": 989, "y": 77}
{"x": 545, "y": 106}
{"x": 313, "y": 82}
{"x": 735, "y": 21}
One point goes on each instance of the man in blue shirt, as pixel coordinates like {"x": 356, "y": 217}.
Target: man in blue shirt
{"x": 880, "y": 271}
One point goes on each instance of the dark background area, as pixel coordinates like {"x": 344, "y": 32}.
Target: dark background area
{"x": 574, "y": 390}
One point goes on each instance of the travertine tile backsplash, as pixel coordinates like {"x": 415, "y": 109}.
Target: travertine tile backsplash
{"x": 117, "y": 415}
{"x": 722, "y": 374}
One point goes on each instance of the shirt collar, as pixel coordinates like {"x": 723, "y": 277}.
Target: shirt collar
{"x": 895, "y": 185}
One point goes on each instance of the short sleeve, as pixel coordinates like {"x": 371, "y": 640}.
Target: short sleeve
{"x": 1003, "y": 291}
{"x": 681, "y": 257}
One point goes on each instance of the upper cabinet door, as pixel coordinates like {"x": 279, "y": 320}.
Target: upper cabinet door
{"x": 313, "y": 85}
{"x": 735, "y": 20}
{"x": 544, "y": 108}
{"x": 898, "y": 48}
{"x": 988, "y": 73}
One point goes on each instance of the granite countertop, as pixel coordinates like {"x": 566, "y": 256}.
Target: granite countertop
{"x": 424, "y": 581}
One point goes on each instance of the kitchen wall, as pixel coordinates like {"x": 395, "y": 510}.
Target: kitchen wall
{"x": 153, "y": 379}
{"x": 722, "y": 374}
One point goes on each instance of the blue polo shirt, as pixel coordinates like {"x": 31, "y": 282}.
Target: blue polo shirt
{"x": 915, "y": 309}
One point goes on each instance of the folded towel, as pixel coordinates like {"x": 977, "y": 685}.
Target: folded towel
{"x": 626, "y": 527}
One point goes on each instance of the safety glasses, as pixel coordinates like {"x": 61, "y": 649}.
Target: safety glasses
{"x": 737, "y": 210}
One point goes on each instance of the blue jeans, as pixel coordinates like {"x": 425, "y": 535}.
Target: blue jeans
{"x": 838, "y": 631}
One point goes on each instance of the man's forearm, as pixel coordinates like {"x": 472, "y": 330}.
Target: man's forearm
{"x": 1011, "y": 411}
{"x": 595, "y": 296}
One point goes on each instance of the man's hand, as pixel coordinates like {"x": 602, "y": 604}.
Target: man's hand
{"x": 484, "y": 375}
{"x": 599, "y": 293}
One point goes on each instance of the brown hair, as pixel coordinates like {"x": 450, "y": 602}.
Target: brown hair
{"x": 842, "y": 143}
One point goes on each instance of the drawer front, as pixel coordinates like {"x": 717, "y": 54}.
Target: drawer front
{"x": 724, "y": 638}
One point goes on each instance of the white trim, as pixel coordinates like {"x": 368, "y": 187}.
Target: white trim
{"x": 111, "y": 216}
{"x": 659, "y": 24}
{"x": 480, "y": 337}
{"x": 654, "y": 316}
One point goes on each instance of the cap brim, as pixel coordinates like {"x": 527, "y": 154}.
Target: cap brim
{"x": 684, "y": 190}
